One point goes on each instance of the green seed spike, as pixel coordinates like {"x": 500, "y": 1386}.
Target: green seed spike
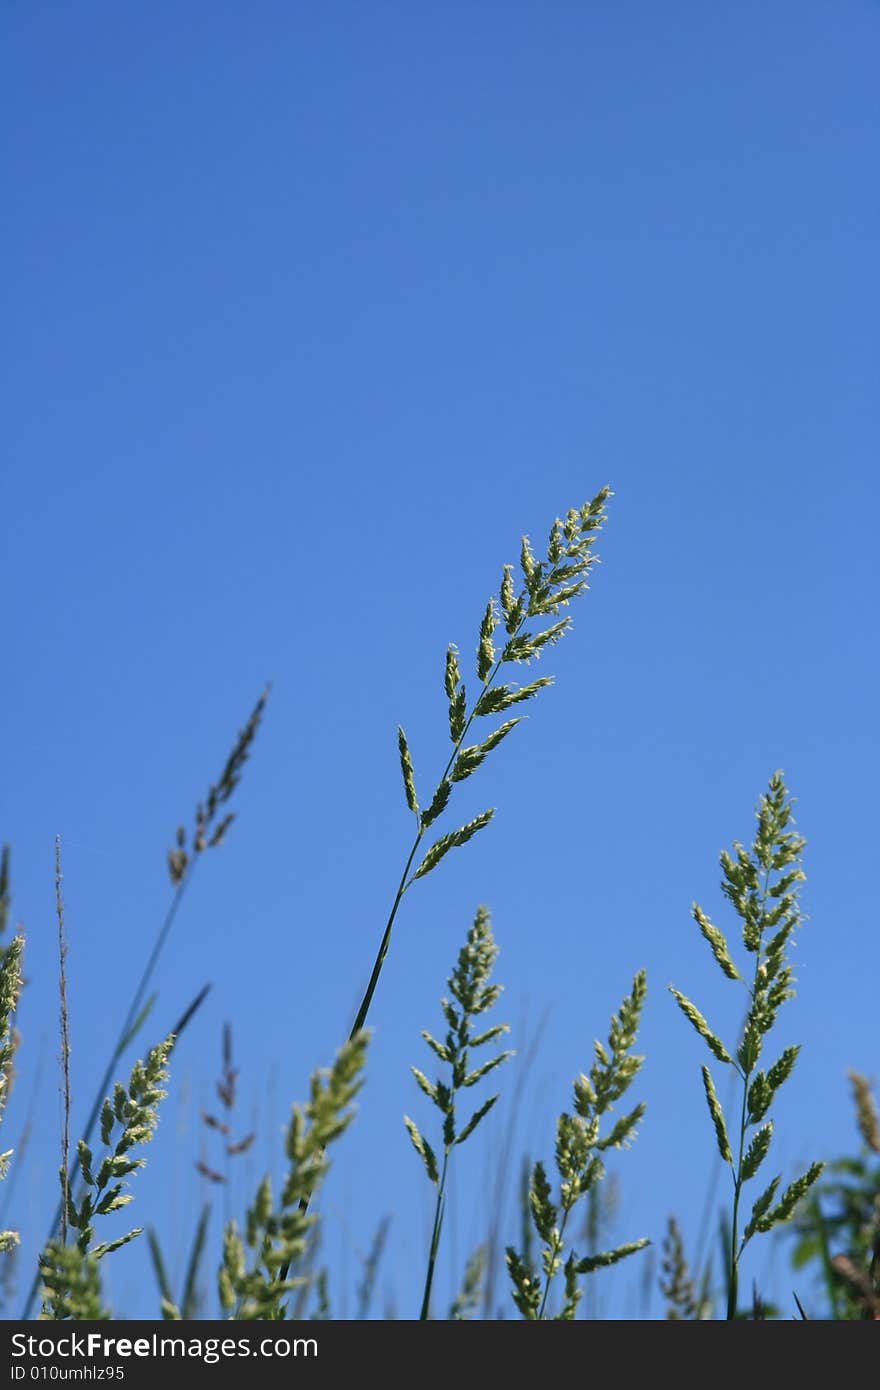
{"x": 611, "y": 1257}
{"x": 469, "y": 759}
{"x": 555, "y": 547}
{"x": 528, "y": 564}
{"x": 540, "y": 1200}
{"x": 456, "y": 694}
{"x": 782, "y": 1070}
{"x": 476, "y": 1117}
{"x": 427, "y": 1086}
{"x": 759, "y": 1098}
{"x": 715, "y": 938}
{"x": 624, "y": 1131}
{"x": 527, "y": 645}
{"x": 508, "y": 600}
{"x": 760, "y": 1209}
{"x": 757, "y": 1151}
{"x": 406, "y": 767}
{"x": 486, "y": 651}
{"x": 526, "y": 1286}
{"x": 500, "y": 697}
{"x": 472, "y": 1077}
{"x": 792, "y": 1195}
{"x": 85, "y": 1162}
{"x": 456, "y": 838}
{"x": 490, "y": 1033}
{"x": 692, "y": 1013}
{"x": 438, "y": 804}
{"x": 554, "y": 601}
{"x": 458, "y": 714}
{"x": 453, "y": 671}
{"x": 423, "y": 1149}
{"x": 440, "y": 1050}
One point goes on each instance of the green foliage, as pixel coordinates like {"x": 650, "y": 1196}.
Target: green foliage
{"x": 135, "y": 1114}
{"x": 548, "y": 586}
{"x": 676, "y": 1284}
{"x": 406, "y": 768}
{"x": 10, "y": 988}
{"x": 253, "y": 1278}
{"x": 579, "y": 1146}
{"x": 274, "y": 1252}
{"x": 453, "y": 840}
{"x": 473, "y": 996}
{"x": 838, "y": 1229}
{"x": 762, "y": 885}
{"x": 71, "y": 1283}
{"x": 69, "y": 1274}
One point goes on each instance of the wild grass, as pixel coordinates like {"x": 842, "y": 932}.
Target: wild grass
{"x": 762, "y": 885}
{"x": 580, "y": 1146}
{"x": 473, "y": 997}
{"x": 269, "y": 1265}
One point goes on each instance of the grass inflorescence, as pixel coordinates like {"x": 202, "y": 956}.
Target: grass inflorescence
{"x": 269, "y": 1265}
{"x": 472, "y": 997}
{"x": 761, "y": 883}
{"x": 580, "y": 1146}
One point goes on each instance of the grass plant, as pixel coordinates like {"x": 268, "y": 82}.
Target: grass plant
{"x": 268, "y": 1267}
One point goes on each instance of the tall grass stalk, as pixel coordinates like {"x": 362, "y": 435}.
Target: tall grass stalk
{"x": 131, "y": 1116}
{"x": 254, "y": 1276}
{"x": 210, "y": 830}
{"x": 473, "y": 997}
{"x": 762, "y": 884}
{"x": 548, "y": 585}
{"x": 580, "y": 1146}
{"x": 280, "y": 1235}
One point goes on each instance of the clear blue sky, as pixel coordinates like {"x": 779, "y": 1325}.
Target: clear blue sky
{"x": 310, "y": 312}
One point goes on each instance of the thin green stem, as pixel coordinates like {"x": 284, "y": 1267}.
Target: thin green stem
{"x": 363, "y": 1011}
{"x": 558, "y": 1245}
{"x": 367, "y": 1000}
{"x": 733, "y": 1282}
{"x": 735, "y": 1252}
{"x": 435, "y": 1239}
{"x": 405, "y": 882}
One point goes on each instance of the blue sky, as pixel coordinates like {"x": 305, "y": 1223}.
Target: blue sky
{"x": 312, "y": 311}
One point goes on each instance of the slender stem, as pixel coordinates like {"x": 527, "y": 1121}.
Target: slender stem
{"x": 363, "y": 1011}
{"x": 735, "y": 1252}
{"x": 367, "y": 1000}
{"x": 435, "y": 1239}
{"x": 733, "y": 1282}
{"x": 557, "y": 1247}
